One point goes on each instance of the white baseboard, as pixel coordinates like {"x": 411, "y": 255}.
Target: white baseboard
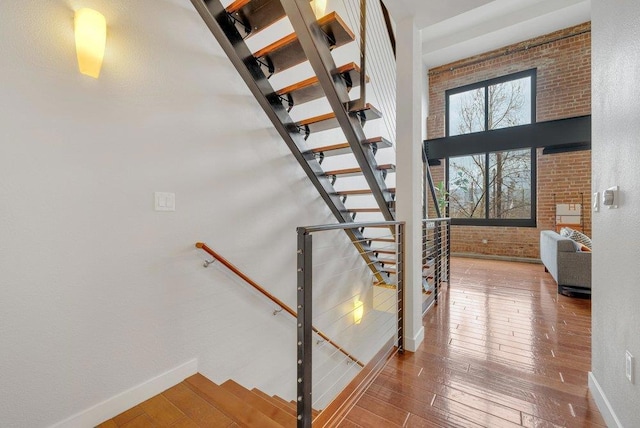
{"x": 411, "y": 344}
{"x": 603, "y": 404}
{"x": 125, "y": 400}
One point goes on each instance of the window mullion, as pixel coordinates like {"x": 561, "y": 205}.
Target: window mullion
{"x": 487, "y": 189}
{"x": 486, "y": 155}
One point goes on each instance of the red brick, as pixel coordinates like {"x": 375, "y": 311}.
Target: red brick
{"x": 563, "y": 63}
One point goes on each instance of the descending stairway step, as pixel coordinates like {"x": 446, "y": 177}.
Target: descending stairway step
{"x": 284, "y": 402}
{"x": 287, "y": 52}
{"x": 252, "y": 16}
{"x": 310, "y": 89}
{"x": 285, "y": 407}
{"x": 230, "y": 405}
{"x": 348, "y": 172}
{"x": 387, "y": 261}
{"x": 268, "y": 407}
{"x": 329, "y": 121}
{"x": 344, "y": 148}
{"x": 363, "y": 192}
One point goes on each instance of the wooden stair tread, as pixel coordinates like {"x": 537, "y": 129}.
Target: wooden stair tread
{"x": 382, "y": 251}
{"x": 384, "y": 284}
{"x": 364, "y": 210}
{"x": 230, "y": 405}
{"x": 344, "y": 148}
{"x": 285, "y": 402}
{"x": 265, "y": 406}
{"x": 381, "y": 240}
{"x": 287, "y": 52}
{"x": 287, "y": 408}
{"x": 310, "y": 89}
{"x": 327, "y": 121}
{"x": 387, "y": 261}
{"x": 363, "y": 192}
{"x": 256, "y": 14}
{"x": 357, "y": 170}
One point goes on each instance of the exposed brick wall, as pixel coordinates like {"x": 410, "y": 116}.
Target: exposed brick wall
{"x": 563, "y": 63}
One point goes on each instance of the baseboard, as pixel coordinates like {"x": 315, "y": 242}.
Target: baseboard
{"x": 603, "y": 404}
{"x": 501, "y": 258}
{"x": 125, "y": 400}
{"x": 411, "y": 344}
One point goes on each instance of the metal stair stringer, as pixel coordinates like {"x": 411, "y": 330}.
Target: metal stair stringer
{"x": 227, "y": 35}
{"x": 313, "y": 42}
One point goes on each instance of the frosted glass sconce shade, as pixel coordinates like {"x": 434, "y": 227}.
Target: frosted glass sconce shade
{"x": 319, "y": 7}
{"x": 91, "y": 37}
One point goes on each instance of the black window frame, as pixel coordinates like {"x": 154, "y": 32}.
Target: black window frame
{"x": 486, "y": 150}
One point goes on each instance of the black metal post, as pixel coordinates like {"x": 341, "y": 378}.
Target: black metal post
{"x": 363, "y": 53}
{"x": 400, "y": 239}
{"x": 304, "y": 329}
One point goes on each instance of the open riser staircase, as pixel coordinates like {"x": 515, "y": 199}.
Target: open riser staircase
{"x": 313, "y": 41}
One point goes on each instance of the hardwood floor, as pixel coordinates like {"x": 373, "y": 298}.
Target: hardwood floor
{"x": 501, "y": 349}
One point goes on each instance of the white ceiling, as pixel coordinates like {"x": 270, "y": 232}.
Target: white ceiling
{"x": 457, "y": 29}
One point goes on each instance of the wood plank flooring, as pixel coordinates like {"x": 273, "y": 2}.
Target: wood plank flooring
{"x": 501, "y": 349}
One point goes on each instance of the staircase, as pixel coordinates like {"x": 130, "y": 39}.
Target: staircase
{"x": 312, "y": 41}
{"x": 198, "y": 402}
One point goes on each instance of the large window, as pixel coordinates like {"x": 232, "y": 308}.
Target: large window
{"x": 492, "y": 188}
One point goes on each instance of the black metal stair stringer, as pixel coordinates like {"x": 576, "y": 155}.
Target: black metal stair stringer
{"x": 227, "y": 35}
{"x": 313, "y": 42}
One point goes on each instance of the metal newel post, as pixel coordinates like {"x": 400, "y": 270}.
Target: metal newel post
{"x": 304, "y": 329}
{"x": 400, "y": 238}
{"x": 363, "y": 52}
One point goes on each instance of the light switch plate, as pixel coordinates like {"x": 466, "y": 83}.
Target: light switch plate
{"x": 165, "y": 201}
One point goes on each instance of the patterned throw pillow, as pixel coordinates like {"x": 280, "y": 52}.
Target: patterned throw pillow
{"x": 578, "y": 237}
{"x": 581, "y": 238}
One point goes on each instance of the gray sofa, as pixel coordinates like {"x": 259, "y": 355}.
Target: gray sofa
{"x": 569, "y": 267}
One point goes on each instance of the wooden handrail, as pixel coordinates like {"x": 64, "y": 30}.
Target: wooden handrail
{"x": 271, "y": 297}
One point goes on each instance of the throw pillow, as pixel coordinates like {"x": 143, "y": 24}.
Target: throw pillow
{"x": 565, "y": 232}
{"x": 581, "y": 238}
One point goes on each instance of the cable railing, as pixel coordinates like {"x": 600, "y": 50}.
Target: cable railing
{"x": 436, "y": 258}
{"x": 341, "y": 295}
{"x": 321, "y": 335}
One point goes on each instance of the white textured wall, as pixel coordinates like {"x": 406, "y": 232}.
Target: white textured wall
{"x": 616, "y": 232}
{"x": 98, "y": 291}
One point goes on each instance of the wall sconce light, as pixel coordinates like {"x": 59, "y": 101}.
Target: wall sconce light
{"x": 319, "y": 7}
{"x": 91, "y": 38}
{"x": 358, "y": 311}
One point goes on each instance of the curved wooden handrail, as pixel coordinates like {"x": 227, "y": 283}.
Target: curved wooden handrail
{"x": 271, "y": 297}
